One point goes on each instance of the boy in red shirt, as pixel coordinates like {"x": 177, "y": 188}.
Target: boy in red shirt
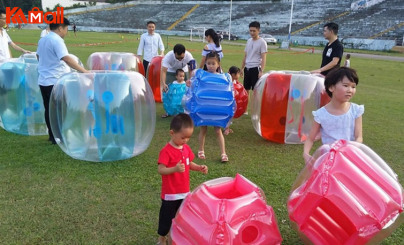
{"x": 175, "y": 161}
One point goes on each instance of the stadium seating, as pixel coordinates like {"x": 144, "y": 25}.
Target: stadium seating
{"x": 383, "y": 20}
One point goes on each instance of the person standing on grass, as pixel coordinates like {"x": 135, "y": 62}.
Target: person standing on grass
{"x": 174, "y": 163}
{"x": 347, "y": 60}
{"x": 213, "y": 45}
{"x": 212, "y": 66}
{"x": 178, "y": 58}
{"x": 340, "y": 118}
{"x": 149, "y": 45}
{"x": 74, "y": 29}
{"x": 5, "y": 40}
{"x": 333, "y": 51}
{"x": 255, "y": 58}
{"x": 51, "y": 52}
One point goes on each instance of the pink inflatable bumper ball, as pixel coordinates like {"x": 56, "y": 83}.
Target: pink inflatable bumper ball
{"x": 283, "y": 102}
{"x": 225, "y": 211}
{"x": 115, "y": 61}
{"x": 346, "y": 195}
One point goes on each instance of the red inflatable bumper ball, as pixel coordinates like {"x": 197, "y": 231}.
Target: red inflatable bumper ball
{"x": 225, "y": 211}
{"x": 346, "y": 195}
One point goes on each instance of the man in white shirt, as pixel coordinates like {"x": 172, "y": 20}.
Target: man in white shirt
{"x": 51, "y": 51}
{"x": 149, "y": 44}
{"x": 5, "y": 40}
{"x": 178, "y": 58}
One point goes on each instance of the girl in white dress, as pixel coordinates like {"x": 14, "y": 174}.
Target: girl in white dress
{"x": 340, "y": 118}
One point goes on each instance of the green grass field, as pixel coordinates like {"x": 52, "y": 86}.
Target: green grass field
{"x": 46, "y": 197}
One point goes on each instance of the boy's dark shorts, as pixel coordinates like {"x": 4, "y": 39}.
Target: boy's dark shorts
{"x": 168, "y": 210}
{"x": 250, "y": 77}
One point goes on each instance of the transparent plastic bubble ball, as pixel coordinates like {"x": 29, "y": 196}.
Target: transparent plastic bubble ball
{"x": 21, "y": 106}
{"x": 68, "y": 68}
{"x": 103, "y": 116}
{"x": 282, "y": 105}
{"x": 115, "y": 61}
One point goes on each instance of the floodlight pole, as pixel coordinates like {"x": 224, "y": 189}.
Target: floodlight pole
{"x": 290, "y": 22}
{"x": 231, "y": 6}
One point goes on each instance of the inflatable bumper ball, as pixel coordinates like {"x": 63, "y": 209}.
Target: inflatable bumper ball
{"x": 153, "y": 76}
{"x": 102, "y": 116}
{"x": 283, "y": 103}
{"x": 68, "y": 68}
{"x": 346, "y": 195}
{"x": 210, "y": 101}
{"x": 21, "y": 106}
{"x": 115, "y": 61}
{"x": 172, "y": 99}
{"x": 241, "y": 97}
{"x": 32, "y": 59}
{"x": 29, "y": 58}
{"x": 225, "y": 211}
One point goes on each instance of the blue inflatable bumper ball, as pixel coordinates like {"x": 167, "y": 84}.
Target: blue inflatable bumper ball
{"x": 172, "y": 99}
{"x": 210, "y": 99}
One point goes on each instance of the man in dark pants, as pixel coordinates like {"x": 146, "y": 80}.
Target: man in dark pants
{"x": 51, "y": 51}
{"x": 255, "y": 57}
{"x": 149, "y": 45}
{"x": 333, "y": 51}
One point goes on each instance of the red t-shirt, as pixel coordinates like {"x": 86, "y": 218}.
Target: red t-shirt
{"x": 175, "y": 186}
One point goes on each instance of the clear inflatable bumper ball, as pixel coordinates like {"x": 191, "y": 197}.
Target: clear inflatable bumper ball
{"x": 226, "y": 211}
{"x": 103, "y": 116}
{"x": 68, "y": 68}
{"x": 21, "y": 106}
{"x": 115, "y": 61}
{"x": 210, "y": 100}
{"x": 346, "y": 195}
{"x": 283, "y": 102}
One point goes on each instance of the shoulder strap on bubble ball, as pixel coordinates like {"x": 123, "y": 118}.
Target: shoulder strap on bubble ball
{"x": 338, "y": 144}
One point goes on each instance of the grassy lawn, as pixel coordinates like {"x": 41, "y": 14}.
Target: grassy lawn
{"x": 46, "y": 197}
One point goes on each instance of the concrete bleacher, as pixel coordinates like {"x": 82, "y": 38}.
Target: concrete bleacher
{"x": 308, "y": 17}
{"x": 369, "y": 22}
{"x": 274, "y": 16}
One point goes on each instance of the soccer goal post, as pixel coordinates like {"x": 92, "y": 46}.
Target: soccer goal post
{"x": 197, "y": 34}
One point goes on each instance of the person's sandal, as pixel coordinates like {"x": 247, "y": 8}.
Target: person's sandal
{"x": 201, "y": 155}
{"x": 225, "y": 158}
{"x": 165, "y": 115}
